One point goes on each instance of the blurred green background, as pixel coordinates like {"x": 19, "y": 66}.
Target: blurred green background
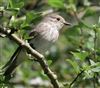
{"x": 76, "y": 53}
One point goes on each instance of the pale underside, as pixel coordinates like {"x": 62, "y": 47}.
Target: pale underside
{"x": 45, "y": 37}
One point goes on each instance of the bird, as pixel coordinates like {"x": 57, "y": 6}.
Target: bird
{"x": 42, "y": 37}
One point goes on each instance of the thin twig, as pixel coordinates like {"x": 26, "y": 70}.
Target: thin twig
{"x": 95, "y": 56}
{"x": 37, "y": 55}
{"x": 94, "y": 86}
{"x": 95, "y": 45}
{"x": 78, "y": 75}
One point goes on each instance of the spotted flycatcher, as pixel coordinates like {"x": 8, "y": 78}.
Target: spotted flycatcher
{"x": 43, "y": 36}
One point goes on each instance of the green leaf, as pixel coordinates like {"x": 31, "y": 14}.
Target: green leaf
{"x": 56, "y": 3}
{"x": 92, "y": 62}
{"x": 91, "y": 69}
{"x": 16, "y": 23}
{"x": 88, "y": 74}
{"x": 75, "y": 65}
{"x": 80, "y": 55}
{"x": 87, "y": 3}
{"x": 89, "y": 12}
{"x": 25, "y": 26}
{"x": 49, "y": 62}
{"x": 13, "y": 9}
{"x": 85, "y": 66}
{"x": 96, "y": 69}
{"x": 32, "y": 16}
{"x": 16, "y": 3}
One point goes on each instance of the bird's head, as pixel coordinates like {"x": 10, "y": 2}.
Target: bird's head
{"x": 57, "y": 20}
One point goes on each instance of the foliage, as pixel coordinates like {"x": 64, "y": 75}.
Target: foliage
{"x": 76, "y": 50}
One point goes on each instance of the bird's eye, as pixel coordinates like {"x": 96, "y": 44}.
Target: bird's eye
{"x": 58, "y": 19}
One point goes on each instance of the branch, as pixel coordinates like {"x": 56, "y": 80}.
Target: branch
{"x": 40, "y": 58}
{"x": 76, "y": 78}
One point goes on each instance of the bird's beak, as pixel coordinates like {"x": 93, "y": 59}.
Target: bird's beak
{"x": 67, "y": 23}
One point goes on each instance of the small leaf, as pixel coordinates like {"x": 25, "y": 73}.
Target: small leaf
{"x": 96, "y": 69}
{"x": 49, "y": 62}
{"x": 75, "y": 65}
{"x": 89, "y": 12}
{"x": 80, "y": 55}
{"x": 16, "y": 3}
{"x": 92, "y": 62}
{"x": 16, "y": 23}
{"x": 88, "y": 74}
{"x": 56, "y": 3}
{"x": 86, "y": 3}
{"x": 30, "y": 16}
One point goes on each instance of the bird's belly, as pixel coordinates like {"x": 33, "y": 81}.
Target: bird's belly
{"x": 41, "y": 44}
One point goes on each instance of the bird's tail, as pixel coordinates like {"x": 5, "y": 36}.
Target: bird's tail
{"x": 14, "y": 61}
